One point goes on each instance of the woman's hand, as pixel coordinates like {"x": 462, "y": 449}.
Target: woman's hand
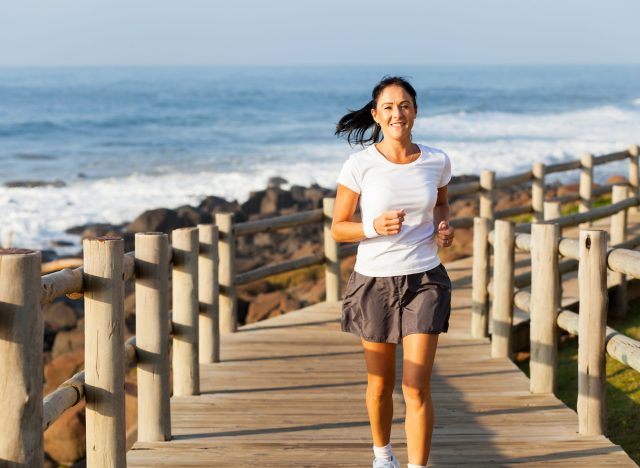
{"x": 389, "y": 222}
{"x": 445, "y": 234}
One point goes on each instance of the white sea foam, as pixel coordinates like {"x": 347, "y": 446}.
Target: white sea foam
{"x": 506, "y": 143}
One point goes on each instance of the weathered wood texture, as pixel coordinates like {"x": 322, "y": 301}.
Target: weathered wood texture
{"x": 152, "y": 340}
{"x": 503, "y": 272}
{"x": 331, "y": 259}
{"x": 208, "y": 290}
{"x": 544, "y": 305}
{"x": 289, "y": 392}
{"x": 103, "y": 286}
{"x": 227, "y": 299}
{"x": 592, "y": 379}
{"x": 21, "y": 336}
{"x": 185, "y": 312}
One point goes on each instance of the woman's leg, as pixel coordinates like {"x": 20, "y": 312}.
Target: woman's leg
{"x": 419, "y": 351}
{"x": 381, "y": 379}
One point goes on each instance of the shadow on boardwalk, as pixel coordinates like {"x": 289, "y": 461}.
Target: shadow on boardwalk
{"x": 290, "y": 393}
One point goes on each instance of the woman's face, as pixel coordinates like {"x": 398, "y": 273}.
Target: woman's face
{"x": 395, "y": 113}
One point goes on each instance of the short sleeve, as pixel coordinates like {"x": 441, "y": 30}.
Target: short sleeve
{"x": 445, "y": 177}
{"x": 350, "y": 175}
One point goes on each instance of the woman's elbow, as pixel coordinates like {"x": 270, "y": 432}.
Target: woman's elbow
{"x": 335, "y": 234}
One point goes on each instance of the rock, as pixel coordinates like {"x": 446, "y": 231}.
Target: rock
{"x": 62, "y": 368}
{"x": 308, "y": 292}
{"x": 212, "y": 205}
{"x": 276, "y": 182}
{"x": 158, "y": 220}
{"x": 68, "y": 341}
{"x": 35, "y": 183}
{"x": 192, "y": 215}
{"x": 253, "y": 205}
{"x": 263, "y": 304}
{"x": 94, "y": 230}
{"x": 65, "y": 440}
{"x": 276, "y": 199}
{"x": 59, "y": 316}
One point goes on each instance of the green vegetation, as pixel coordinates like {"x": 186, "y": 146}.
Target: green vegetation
{"x": 623, "y": 385}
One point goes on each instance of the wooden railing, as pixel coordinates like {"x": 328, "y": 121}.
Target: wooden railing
{"x": 588, "y": 255}
{"x": 204, "y": 297}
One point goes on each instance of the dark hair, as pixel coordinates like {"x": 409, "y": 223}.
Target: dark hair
{"x": 356, "y": 123}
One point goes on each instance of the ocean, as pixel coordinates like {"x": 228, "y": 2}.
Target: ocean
{"x": 115, "y": 141}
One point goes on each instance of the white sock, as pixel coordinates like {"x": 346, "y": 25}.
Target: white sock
{"x": 411, "y": 465}
{"x": 385, "y": 452}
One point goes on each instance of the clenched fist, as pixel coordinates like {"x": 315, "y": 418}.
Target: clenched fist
{"x": 445, "y": 234}
{"x": 389, "y": 222}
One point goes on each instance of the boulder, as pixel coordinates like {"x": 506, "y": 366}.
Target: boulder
{"x": 264, "y": 304}
{"x": 158, "y": 220}
{"x": 62, "y": 368}
{"x": 276, "y": 199}
{"x": 68, "y": 341}
{"x": 59, "y": 316}
{"x": 65, "y": 440}
{"x": 253, "y": 204}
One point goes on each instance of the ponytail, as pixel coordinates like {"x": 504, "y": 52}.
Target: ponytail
{"x": 355, "y": 125}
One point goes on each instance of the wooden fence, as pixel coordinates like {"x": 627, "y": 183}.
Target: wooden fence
{"x": 591, "y": 257}
{"x": 203, "y": 293}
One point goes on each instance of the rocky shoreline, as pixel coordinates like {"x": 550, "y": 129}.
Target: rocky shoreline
{"x": 64, "y": 330}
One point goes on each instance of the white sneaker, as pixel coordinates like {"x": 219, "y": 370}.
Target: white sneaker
{"x": 382, "y": 463}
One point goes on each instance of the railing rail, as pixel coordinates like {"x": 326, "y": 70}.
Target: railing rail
{"x": 590, "y": 255}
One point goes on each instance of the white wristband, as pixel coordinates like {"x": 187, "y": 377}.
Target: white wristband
{"x": 369, "y": 230}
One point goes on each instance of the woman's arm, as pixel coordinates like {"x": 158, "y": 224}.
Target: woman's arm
{"x": 344, "y": 230}
{"x": 441, "y": 219}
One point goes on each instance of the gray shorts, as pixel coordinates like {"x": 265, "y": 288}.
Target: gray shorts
{"x": 385, "y": 309}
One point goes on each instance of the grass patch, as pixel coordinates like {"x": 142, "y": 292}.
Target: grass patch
{"x": 623, "y": 385}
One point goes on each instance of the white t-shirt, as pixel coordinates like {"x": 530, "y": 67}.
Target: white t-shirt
{"x": 384, "y": 185}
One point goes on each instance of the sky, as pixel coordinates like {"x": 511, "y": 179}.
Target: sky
{"x": 318, "y": 32}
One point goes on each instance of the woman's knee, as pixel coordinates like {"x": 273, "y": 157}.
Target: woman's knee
{"x": 416, "y": 391}
{"x": 380, "y": 388}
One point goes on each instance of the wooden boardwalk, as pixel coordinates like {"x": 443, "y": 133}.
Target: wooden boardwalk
{"x": 290, "y": 393}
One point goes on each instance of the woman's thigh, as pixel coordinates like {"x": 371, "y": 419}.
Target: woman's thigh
{"x": 419, "y": 351}
{"x": 381, "y": 361}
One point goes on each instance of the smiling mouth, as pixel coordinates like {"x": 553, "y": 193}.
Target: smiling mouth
{"x": 401, "y": 124}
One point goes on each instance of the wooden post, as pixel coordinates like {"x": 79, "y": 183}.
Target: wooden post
{"x": 186, "y": 371}
{"x": 152, "y": 336}
{"x": 103, "y": 287}
{"x": 21, "y": 342}
{"x": 537, "y": 191}
{"x": 331, "y": 258}
{"x": 503, "y": 282}
{"x": 209, "y": 326}
{"x": 634, "y": 176}
{"x": 586, "y": 185}
{"x": 544, "y": 306}
{"x": 480, "y": 278}
{"x": 487, "y": 195}
{"x": 592, "y": 281}
{"x": 551, "y": 210}
{"x": 227, "y": 274}
{"x": 618, "y": 235}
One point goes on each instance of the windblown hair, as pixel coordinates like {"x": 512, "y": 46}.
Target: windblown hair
{"x": 356, "y": 124}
